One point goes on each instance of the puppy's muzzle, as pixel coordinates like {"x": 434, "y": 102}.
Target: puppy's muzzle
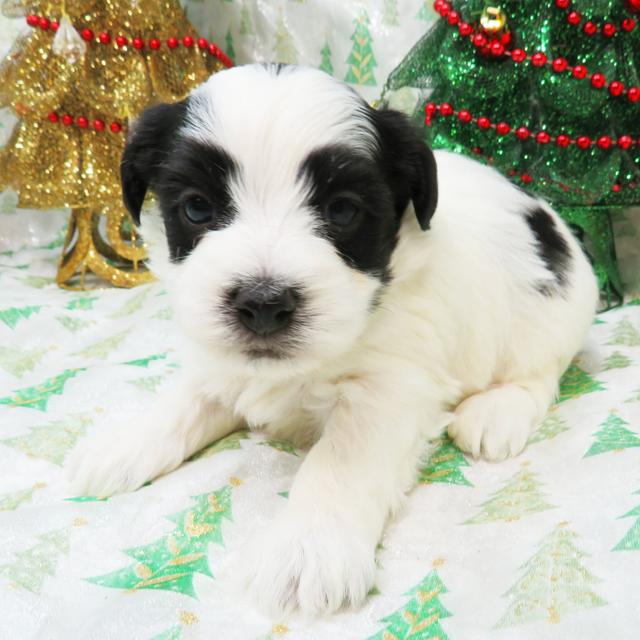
{"x": 264, "y": 307}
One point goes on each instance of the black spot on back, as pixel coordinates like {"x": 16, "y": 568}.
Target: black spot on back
{"x": 552, "y": 247}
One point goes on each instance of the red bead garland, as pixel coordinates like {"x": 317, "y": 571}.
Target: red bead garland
{"x": 524, "y": 133}
{"x": 539, "y": 59}
{"x": 527, "y": 178}
{"x": 106, "y": 38}
{"x": 616, "y": 88}
{"x": 83, "y": 122}
{"x": 590, "y": 28}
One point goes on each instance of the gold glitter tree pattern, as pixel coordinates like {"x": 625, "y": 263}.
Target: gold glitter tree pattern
{"x": 32, "y": 566}
{"x": 175, "y": 633}
{"x": 616, "y": 360}
{"x": 284, "y": 49}
{"x": 361, "y": 60}
{"x": 576, "y": 382}
{"x": 11, "y": 501}
{"x": 554, "y": 582}
{"x": 53, "y": 441}
{"x": 171, "y": 562}
{"x": 551, "y": 427}
{"x": 103, "y": 348}
{"x": 38, "y": 397}
{"x": 631, "y": 540}
{"x": 625, "y": 333}
{"x": 19, "y": 361}
{"x": 13, "y": 315}
{"x": 419, "y": 618}
{"x": 228, "y": 443}
{"x": 613, "y": 436}
{"x": 444, "y": 464}
{"x": 520, "y": 497}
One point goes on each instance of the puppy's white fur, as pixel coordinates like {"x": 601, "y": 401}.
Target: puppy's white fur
{"x": 460, "y": 337}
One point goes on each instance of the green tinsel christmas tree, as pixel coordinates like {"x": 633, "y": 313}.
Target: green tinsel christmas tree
{"x": 546, "y": 92}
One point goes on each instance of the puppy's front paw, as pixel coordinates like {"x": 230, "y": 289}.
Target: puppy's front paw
{"x": 313, "y": 565}
{"x": 494, "y": 424}
{"x": 120, "y": 460}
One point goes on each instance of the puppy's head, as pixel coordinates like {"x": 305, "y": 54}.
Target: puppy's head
{"x": 282, "y": 194}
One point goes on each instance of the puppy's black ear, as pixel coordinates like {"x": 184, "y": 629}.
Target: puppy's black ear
{"x": 408, "y": 163}
{"x": 147, "y": 146}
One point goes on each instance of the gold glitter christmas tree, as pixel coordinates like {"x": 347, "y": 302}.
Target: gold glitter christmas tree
{"x": 75, "y": 81}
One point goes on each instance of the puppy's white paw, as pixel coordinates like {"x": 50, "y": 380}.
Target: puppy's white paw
{"x": 494, "y": 424}
{"x": 119, "y": 460}
{"x": 313, "y": 565}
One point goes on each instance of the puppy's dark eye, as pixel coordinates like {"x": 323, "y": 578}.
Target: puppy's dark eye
{"x": 342, "y": 212}
{"x": 198, "y": 210}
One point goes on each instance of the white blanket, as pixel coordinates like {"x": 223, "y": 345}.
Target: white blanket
{"x": 543, "y": 546}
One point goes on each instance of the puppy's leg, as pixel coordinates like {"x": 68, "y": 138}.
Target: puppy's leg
{"x": 496, "y": 423}
{"x": 124, "y": 458}
{"x": 318, "y": 554}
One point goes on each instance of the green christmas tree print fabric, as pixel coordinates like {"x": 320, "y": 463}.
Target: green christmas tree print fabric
{"x": 359, "y": 42}
{"x": 545, "y": 545}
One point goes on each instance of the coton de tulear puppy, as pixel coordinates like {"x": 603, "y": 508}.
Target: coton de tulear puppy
{"x": 339, "y": 285}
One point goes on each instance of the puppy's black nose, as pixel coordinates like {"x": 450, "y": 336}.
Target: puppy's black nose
{"x": 264, "y": 308}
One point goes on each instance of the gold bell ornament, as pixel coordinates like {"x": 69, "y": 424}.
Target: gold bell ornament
{"x": 493, "y": 21}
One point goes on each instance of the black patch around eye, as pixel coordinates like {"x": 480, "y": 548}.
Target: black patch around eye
{"x": 192, "y": 187}
{"x": 338, "y": 173}
{"x": 552, "y": 247}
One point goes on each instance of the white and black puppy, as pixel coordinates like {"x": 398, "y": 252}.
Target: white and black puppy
{"x": 339, "y": 285}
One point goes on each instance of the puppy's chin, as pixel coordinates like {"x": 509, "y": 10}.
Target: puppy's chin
{"x": 266, "y": 354}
